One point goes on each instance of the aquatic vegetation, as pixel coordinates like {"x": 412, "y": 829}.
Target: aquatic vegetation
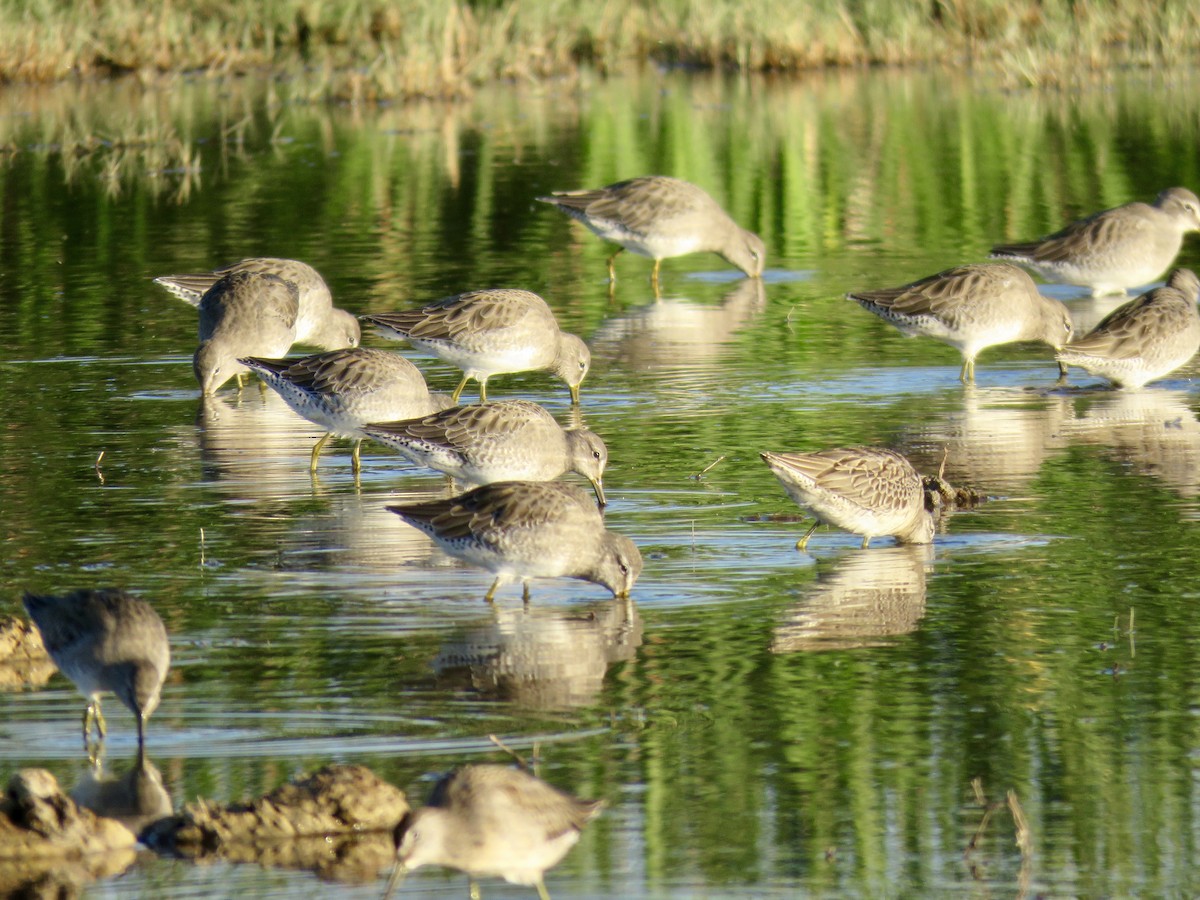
{"x": 368, "y": 51}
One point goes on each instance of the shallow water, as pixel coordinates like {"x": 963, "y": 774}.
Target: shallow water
{"x": 761, "y": 721}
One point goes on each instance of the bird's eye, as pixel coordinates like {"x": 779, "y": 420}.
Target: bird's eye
{"x": 595, "y": 454}
{"x": 624, "y": 568}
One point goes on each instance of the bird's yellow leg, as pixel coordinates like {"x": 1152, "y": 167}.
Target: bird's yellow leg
{"x": 612, "y": 271}
{"x": 458, "y": 390}
{"x": 490, "y": 596}
{"x": 543, "y": 894}
{"x": 356, "y": 458}
{"x": 483, "y": 391}
{"x": 866, "y": 541}
{"x": 312, "y": 463}
{"x": 802, "y": 544}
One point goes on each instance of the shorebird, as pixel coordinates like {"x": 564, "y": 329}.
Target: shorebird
{"x": 865, "y": 490}
{"x": 970, "y": 308}
{"x": 343, "y": 390}
{"x": 507, "y": 440}
{"x": 491, "y": 332}
{"x": 1145, "y": 338}
{"x": 242, "y": 314}
{"x": 105, "y": 641}
{"x": 529, "y": 529}
{"x": 318, "y": 321}
{"x": 492, "y": 821}
{"x": 660, "y": 217}
{"x": 1116, "y": 249}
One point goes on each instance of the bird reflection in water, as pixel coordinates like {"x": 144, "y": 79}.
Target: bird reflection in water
{"x": 1153, "y": 429}
{"x": 865, "y": 598}
{"x": 542, "y": 657}
{"x": 136, "y": 798}
{"x": 996, "y": 442}
{"x": 677, "y": 336}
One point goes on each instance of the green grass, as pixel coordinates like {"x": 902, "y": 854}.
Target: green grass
{"x": 369, "y": 50}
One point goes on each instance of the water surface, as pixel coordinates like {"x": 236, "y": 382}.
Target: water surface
{"x": 761, "y": 721}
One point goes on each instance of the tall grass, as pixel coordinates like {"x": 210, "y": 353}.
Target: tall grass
{"x": 370, "y": 50}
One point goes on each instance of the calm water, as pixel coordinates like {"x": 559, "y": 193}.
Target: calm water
{"x": 761, "y": 721}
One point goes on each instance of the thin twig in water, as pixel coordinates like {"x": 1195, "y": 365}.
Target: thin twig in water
{"x": 201, "y": 548}
{"x": 99, "y": 474}
{"x": 942, "y": 467}
{"x": 1024, "y": 841}
{"x": 788, "y": 320}
{"x": 1132, "y": 647}
{"x": 707, "y": 468}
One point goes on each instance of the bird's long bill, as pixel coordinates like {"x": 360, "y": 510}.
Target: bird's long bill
{"x": 394, "y": 879}
{"x": 574, "y": 394}
{"x": 600, "y": 498}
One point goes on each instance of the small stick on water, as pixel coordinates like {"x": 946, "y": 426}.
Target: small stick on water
{"x": 99, "y": 459}
{"x": 1024, "y": 841}
{"x": 1024, "y": 836}
{"x": 942, "y": 467}
{"x": 1132, "y": 647}
{"x": 788, "y": 320}
{"x": 201, "y": 548}
{"x": 699, "y": 475}
{"x": 988, "y": 808}
{"x": 510, "y": 751}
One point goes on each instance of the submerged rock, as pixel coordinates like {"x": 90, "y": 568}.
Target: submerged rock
{"x": 337, "y": 822}
{"x": 50, "y": 846}
{"x": 23, "y": 658}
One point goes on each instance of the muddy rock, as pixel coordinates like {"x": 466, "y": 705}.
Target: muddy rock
{"x": 49, "y": 846}
{"x": 23, "y": 659}
{"x": 337, "y": 821}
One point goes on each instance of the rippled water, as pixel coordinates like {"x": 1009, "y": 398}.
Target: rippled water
{"x": 761, "y": 721}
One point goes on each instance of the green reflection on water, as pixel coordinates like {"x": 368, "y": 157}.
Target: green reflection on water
{"x": 749, "y": 733}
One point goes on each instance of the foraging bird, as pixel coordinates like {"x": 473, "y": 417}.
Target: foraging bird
{"x": 105, "y": 641}
{"x": 509, "y": 440}
{"x": 971, "y": 308}
{"x": 491, "y": 332}
{"x": 243, "y": 314}
{"x": 660, "y": 217}
{"x": 865, "y": 490}
{"x": 491, "y": 820}
{"x": 343, "y": 390}
{"x": 318, "y": 321}
{"x": 529, "y": 529}
{"x": 1113, "y": 250}
{"x": 1145, "y": 338}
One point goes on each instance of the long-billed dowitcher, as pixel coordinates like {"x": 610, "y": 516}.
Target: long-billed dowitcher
{"x": 492, "y": 821}
{"x": 343, "y": 390}
{"x": 318, "y": 321}
{"x": 970, "y": 308}
{"x": 242, "y": 314}
{"x": 1145, "y": 338}
{"x": 491, "y": 332}
{"x": 865, "y": 490}
{"x": 1116, "y": 249}
{"x": 660, "y": 217}
{"x": 529, "y": 529}
{"x": 105, "y": 641}
{"x": 509, "y": 440}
